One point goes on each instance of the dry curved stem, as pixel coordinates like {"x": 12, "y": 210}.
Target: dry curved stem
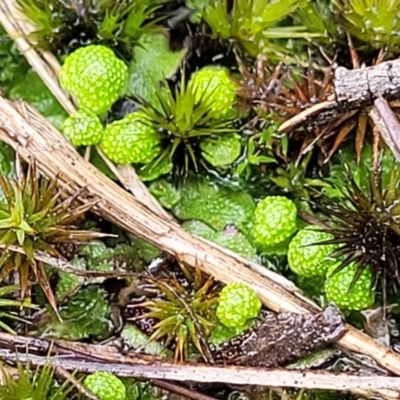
{"x": 32, "y": 136}
{"x": 89, "y": 358}
{"x": 64, "y": 266}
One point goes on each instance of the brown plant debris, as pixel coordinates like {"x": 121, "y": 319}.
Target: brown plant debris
{"x": 280, "y": 338}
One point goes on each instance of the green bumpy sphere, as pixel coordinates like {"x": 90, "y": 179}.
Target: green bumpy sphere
{"x": 83, "y": 128}
{"x": 131, "y": 140}
{"x": 237, "y": 304}
{"x": 275, "y": 220}
{"x": 95, "y": 76}
{"x": 337, "y": 288}
{"x": 307, "y": 259}
{"x": 213, "y": 86}
{"x": 105, "y": 386}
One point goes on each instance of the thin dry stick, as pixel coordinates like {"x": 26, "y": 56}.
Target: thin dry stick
{"x": 65, "y": 266}
{"x": 201, "y": 373}
{"x": 111, "y": 355}
{"x": 29, "y": 133}
{"x": 47, "y": 66}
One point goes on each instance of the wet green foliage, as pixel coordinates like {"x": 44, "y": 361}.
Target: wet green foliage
{"x": 63, "y": 26}
{"x": 255, "y": 24}
{"x": 85, "y": 315}
{"x": 38, "y": 384}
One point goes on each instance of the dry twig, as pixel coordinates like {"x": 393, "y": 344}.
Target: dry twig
{"x": 87, "y": 358}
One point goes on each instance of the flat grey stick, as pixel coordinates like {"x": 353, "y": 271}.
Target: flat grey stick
{"x": 230, "y": 375}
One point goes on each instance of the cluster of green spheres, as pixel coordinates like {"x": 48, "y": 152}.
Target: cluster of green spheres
{"x": 96, "y": 77}
{"x": 275, "y": 223}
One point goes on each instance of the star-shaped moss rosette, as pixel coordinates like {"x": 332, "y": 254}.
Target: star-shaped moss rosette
{"x": 34, "y": 218}
{"x": 184, "y": 310}
{"x": 255, "y": 25}
{"x": 365, "y": 224}
{"x": 7, "y": 303}
{"x": 33, "y": 384}
{"x": 194, "y": 121}
{"x": 369, "y": 22}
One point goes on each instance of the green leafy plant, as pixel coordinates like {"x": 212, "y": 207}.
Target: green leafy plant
{"x": 307, "y": 259}
{"x": 186, "y": 117}
{"x": 204, "y": 200}
{"x": 83, "y": 128}
{"x": 255, "y": 24}
{"x": 132, "y": 139}
{"x": 95, "y": 76}
{"x": 6, "y": 303}
{"x": 365, "y": 223}
{"x": 33, "y": 385}
{"x": 34, "y": 218}
{"x": 230, "y": 237}
{"x": 184, "y": 314}
{"x": 64, "y": 25}
{"x": 341, "y": 290}
{"x": 237, "y": 303}
{"x": 275, "y": 221}
{"x": 252, "y": 157}
{"x": 13, "y": 65}
{"x": 294, "y": 179}
{"x": 105, "y": 385}
{"x": 370, "y": 22}
{"x": 86, "y": 314}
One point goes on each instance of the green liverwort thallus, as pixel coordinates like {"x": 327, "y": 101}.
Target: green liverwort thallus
{"x": 275, "y": 220}
{"x": 337, "y": 288}
{"x": 237, "y": 304}
{"x": 307, "y": 258}
{"x": 131, "y": 140}
{"x": 95, "y": 76}
{"x": 105, "y": 386}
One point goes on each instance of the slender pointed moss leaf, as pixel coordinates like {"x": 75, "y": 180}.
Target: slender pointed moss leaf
{"x": 160, "y": 166}
{"x": 32, "y": 90}
{"x": 153, "y": 61}
{"x": 214, "y": 205}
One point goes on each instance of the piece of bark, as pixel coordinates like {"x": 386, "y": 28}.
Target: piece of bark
{"x": 32, "y": 136}
{"x": 353, "y": 89}
{"x": 361, "y": 87}
{"x": 281, "y": 338}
